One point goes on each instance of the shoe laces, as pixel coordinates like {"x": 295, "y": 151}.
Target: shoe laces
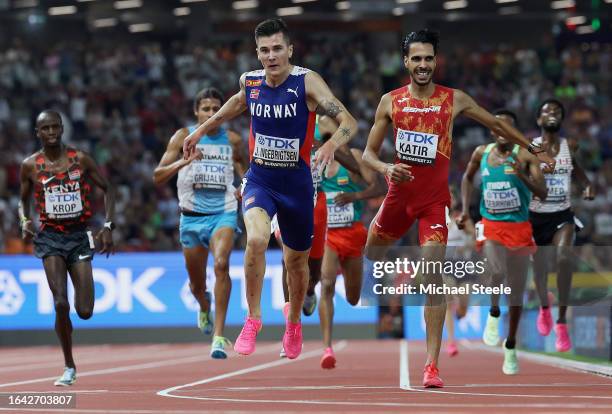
{"x": 431, "y": 369}
{"x": 250, "y": 328}
{"x": 222, "y": 341}
{"x": 68, "y": 373}
{"x": 293, "y": 330}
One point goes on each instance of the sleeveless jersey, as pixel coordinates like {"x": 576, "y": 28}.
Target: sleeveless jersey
{"x": 62, "y": 199}
{"x": 422, "y": 138}
{"x": 206, "y": 185}
{"x": 281, "y": 133}
{"x": 558, "y": 183}
{"x": 346, "y": 215}
{"x": 504, "y": 196}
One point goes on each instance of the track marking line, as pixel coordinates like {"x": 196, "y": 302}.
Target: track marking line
{"x": 127, "y": 368}
{"x": 108, "y": 357}
{"x": 166, "y": 393}
{"x": 549, "y": 360}
{"x": 404, "y": 366}
{"x": 414, "y": 405}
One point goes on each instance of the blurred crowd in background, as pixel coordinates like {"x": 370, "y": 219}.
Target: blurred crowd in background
{"x": 122, "y": 103}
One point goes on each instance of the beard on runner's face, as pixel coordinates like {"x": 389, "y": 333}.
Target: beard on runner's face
{"x": 422, "y": 75}
{"x": 551, "y": 124}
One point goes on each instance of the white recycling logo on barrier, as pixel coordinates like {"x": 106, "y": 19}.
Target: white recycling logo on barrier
{"x": 11, "y": 295}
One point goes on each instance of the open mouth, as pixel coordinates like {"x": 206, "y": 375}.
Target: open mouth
{"x": 422, "y": 75}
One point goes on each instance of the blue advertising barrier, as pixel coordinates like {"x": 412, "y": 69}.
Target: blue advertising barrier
{"x": 147, "y": 290}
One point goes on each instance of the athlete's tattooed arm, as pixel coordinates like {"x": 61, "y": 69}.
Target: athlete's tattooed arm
{"x": 320, "y": 98}
{"x": 327, "y": 127}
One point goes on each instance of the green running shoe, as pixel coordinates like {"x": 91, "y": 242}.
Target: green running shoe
{"x": 310, "y": 304}
{"x": 67, "y": 379}
{"x": 205, "y": 319}
{"x": 510, "y": 366}
{"x": 217, "y": 351}
{"x": 490, "y": 336}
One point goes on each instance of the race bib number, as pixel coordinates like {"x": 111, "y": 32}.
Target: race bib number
{"x": 211, "y": 172}
{"x": 275, "y": 152}
{"x": 502, "y": 201}
{"x": 416, "y": 147}
{"x": 558, "y": 189}
{"x": 339, "y": 216}
{"x": 63, "y": 205}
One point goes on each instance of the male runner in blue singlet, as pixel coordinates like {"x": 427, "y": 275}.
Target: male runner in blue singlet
{"x": 282, "y": 100}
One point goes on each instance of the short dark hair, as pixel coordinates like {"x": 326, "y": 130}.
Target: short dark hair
{"x": 551, "y": 101}
{"x": 50, "y": 112}
{"x": 507, "y": 112}
{"x": 422, "y": 36}
{"x": 270, "y": 27}
{"x": 207, "y": 93}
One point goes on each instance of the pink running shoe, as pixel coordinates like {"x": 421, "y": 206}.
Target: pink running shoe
{"x": 328, "y": 360}
{"x": 451, "y": 349}
{"x": 431, "y": 377}
{"x": 245, "y": 344}
{"x": 292, "y": 340}
{"x": 544, "y": 322}
{"x": 563, "y": 342}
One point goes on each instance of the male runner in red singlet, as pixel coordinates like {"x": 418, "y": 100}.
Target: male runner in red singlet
{"x": 61, "y": 179}
{"x": 422, "y": 115}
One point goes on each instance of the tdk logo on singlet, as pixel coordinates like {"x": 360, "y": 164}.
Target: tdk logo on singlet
{"x": 415, "y": 146}
{"x": 555, "y": 182}
{"x": 274, "y": 111}
{"x": 278, "y": 143}
{"x": 208, "y": 168}
{"x": 419, "y": 138}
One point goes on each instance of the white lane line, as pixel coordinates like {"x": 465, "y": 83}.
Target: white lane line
{"x": 167, "y": 392}
{"x": 553, "y": 407}
{"x": 404, "y": 366}
{"x": 127, "y": 368}
{"x": 33, "y": 355}
{"x": 63, "y": 391}
{"x": 110, "y": 356}
{"x": 569, "y": 365}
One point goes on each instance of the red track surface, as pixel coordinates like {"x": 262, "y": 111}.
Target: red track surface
{"x": 127, "y": 379}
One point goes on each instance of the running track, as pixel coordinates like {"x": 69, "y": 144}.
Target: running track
{"x": 371, "y": 376}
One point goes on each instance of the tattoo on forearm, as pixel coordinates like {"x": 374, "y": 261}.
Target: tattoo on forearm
{"x": 328, "y": 108}
{"x": 342, "y": 136}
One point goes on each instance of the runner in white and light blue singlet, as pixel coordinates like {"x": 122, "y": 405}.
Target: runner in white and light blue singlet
{"x": 209, "y": 209}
